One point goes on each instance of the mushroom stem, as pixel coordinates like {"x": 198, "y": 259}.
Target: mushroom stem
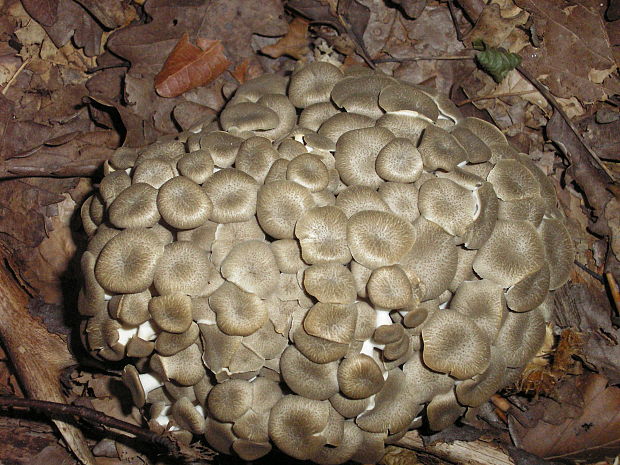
{"x": 149, "y": 382}
{"x": 146, "y": 331}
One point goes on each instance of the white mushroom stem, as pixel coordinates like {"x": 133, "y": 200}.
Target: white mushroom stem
{"x": 126, "y": 333}
{"x": 147, "y": 332}
{"x": 163, "y": 419}
{"x": 200, "y": 409}
{"x": 478, "y": 209}
{"x": 369, "y": 346}
{"x": 106, "y": 297}
{"x": 149, "y": 382}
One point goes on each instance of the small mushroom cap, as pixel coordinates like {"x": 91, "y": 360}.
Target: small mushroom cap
{"x": 153, "y": 172}
{"x": 279, "y": 205}
{"x": 203, "y": 236}
{"x": 322, "y": 234}
{"x": 171, "y": 343}
{"x": 196, "y": 165}
{"x": 187, "y": 417}
{"x": 378, "y": 238}
{"x": 123, "y": 158}
{"x": 309, "y": 171}
{"x": 131, "y": 379}
{"x": 513, "y": 181}
{"x": 330, "y": 283}
{"x": 405, "y": 124}
{"x": 313, "y": 83}
{"x": 222, "y": 147}
{"x": 398, "y": 97}
{"x": 399, "y": 161}
{"x": 130, "y": 309}
{"x": 356, "y": 155}
{"x": 355, "y": 199}
{"x": 447, "y": 204}
{"x": 290, "y": 148}
{"x": 530, "y": 292}
{"x": 318, "y": 349}
{"x": 219, "y": 347}
{"x": 295, "y": 423}
{"x": 219, "y": 435}
{"x": 477, "y": 151}
{"x": 486, "y": 132}
{"x": 393, "y": 410}
{"x": 483, "y": 225}
{"x": 306, "y": 378}
{"x": 91, "y": 294}
{"x": 128, "y": 262}
{"x": 277, "y": 172}
{"x": 389, "y": 287}
{"x": 172, "y": 312}
{"x": 351, "y": 441}
{"x": 559, "y": 251}
{"x": 135, "y": 207}
{"x": 440, "y": 149}
{"x": 255, "y": 157}
{"x": 254, "y": 89}
{"x": 229, "y": 400}
{"x": 248, "y": 116}
{"x": 286, "y": 113}
{"x": 521, "y": 337}
{"x": 266, "y": 342}
{"x": 423, "y": 382}
{"x": 453, "y": 344}
{"x": 483, "y": 301}
{"x": 314, "y": 115}
{"x": 387, "y": 334}
{"x": 401, "y": 198}
{"x": 443, "y": 411}
{"x": 169, "y": 150}
{"x": 288, "y": 255}
{"x": 233, "y": 194}
{"x": 112, "y": 185}
{"x": 351, "y": 87}
{"x": 252, "y": 266}
{"x": 359, "y": 377}
{"x": 249, "y": 450}
{"x": 337, "y": 125}
{"x": 239, "y": 313}
{"x": 530, "y": 209}
{"x": 348, "y": 408}
{"x": 333, "y": 322}
{"x": 183, "y": 267}
{"x": 513, "y": 252}
{"x": 474, "y": 392}
{"x": 184, "y": 367}
{"x": 183, "y": 204}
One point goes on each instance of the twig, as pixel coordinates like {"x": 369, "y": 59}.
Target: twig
{"x": 614, "y": 290}
{"x": 15, "y": 75}
{"x": 491, "y": 96}
{"x": 594, "y": 274}
{"x": 104, "y": 67}
{"x": 406, "y": 59}
{"x": 92, "y": 416}
{"x": 549, "y": 96}
{"x": 452, "y": 9}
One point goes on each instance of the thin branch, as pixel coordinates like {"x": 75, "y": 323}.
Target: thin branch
{"x": 15, "y": 75}
{"x": 452, "y": 9}
{"x": 421, "y": 58}
{"x": 91, "y": 416}
{"x": 492, "y": 96}
{"x": 549, "y": 96}
{"x": 594, "y": 274}
{"x": 104, "y": 67}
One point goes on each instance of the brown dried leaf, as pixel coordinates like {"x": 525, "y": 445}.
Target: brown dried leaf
{"x": 42, "y": 11}
{"x": 189, "y": 66}
{"x": 593, "y": 433}
{"x": 294, "y": 43}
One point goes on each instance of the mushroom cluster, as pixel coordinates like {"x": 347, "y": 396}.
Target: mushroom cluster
{"x": 339, "y": 258}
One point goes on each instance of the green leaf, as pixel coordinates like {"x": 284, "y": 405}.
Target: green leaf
{"x": 498, "y": 62}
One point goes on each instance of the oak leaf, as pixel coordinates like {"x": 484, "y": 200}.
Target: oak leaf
{"x": 294, "y": 43}
{"x": 189, "y": 66}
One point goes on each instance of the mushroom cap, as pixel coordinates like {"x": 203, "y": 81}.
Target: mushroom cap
{"x": 348, "y": 408}
{"x": 453, "y": 344}
{"x": 219, "y": 435}
{"x": 443, "y": 411}
{"x": 486, "y": 132}
{"x": 306, "y": 378}
{"x": 483, "y": 301}
{"x": 183, "y": 267}
{"x": 309, "y": 171}
{"x": 356, "y": 155}
{"x": 290, "y": 148}
{"x": 153, "y": 172}
{"x": 171, "y": 343}
{"x": 314, "y": 115}
{"x": 530, "y": 209}
{"x": 130, "y": 309}
{"x": 334, "y": 322}
{"x": 255, "y": 88}
{"x": 128, "y": 262}
{"x": 423, "y": 382}
{"x": 474, "y": 392}
{"x": 399, "y": 161}
{"x": 184, "y": 367}
{"x": 330, "y": 283}
{"x": 359, "y": 377}
{"x": 123, "y": 158}
{"x": 277, "y": 172}
{"x": 355, "y": 199}
{"x": 255, "y": 157}
{"x": 172, "y": 312}
{"x": 318, "y": 349}
{"x": 513, "y": 181}
{"x": 249, "y": 450}
{"x": 484, "y": 223}
{"x": 112, "y": 185}
{"x": 233, "y": 194}
{"x": 229, "y": 400}
{"x": 131, "y": 379}
{"x": 295, "y": 423}
{"x": 266, "y": 342}
{"x": 248, "y": 116}
{"x": 386, "y": 334}
{"x": 513, "y": 252}
{"x": 286, "y": 113}
{"x": 447, "y": 204}
{"x": 252, "y": 266}
{"x": 398, "y": 97}
{"x": 389, "y": 287}
{"x": 313, "y": 83}
{"x": 378, "y": 238}
{"x": 335, "y": 126}
{"x": 219, "y": 347}
{"x": 196, "y": 165}
{"x": 279, "y": 205}
{"x": 203, "y": 236}
{"x": 559, "y": 251}
{"x": 477, "y": 151}
{"x": 530, "y": 292}
{"x": 351, "y": 441}
{"x": 349, "y": 90}
{"x": 440, "y": 149}
{"x": 169, "y": 150}
{"x": 401, "y": 198}
{"x": 521, "y": 336}
{"x": 288, "y": 255}
{"x": 322, "y": 234}
{"x": 187, "y": 417}
{"x": 222, "y": 147}
{"x": 183, "y": 204}
{"x": 404, "y": 124}
{"x": 239, "y": 313}
{"x": 135, "y": 207}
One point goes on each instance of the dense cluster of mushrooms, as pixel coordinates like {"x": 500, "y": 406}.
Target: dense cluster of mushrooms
{"x": 339, "y": 258}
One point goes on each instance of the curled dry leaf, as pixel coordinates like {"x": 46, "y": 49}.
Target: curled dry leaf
{"x": 189, "y": 66}
{"x": 294, "y": 43}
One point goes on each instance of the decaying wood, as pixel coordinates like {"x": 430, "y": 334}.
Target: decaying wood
{"x": 461, "y": 452}
{"x": 38, "y": 356}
